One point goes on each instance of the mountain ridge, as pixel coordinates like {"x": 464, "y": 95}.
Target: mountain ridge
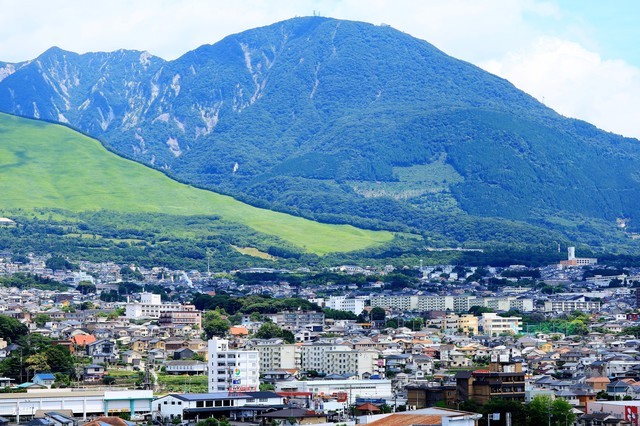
{"x": 344, "y": 122}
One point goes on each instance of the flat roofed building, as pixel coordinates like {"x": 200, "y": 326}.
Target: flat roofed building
{"x": 232, "y": 370}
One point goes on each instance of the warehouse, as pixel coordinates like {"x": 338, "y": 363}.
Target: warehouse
{"x": 82, "y": 403}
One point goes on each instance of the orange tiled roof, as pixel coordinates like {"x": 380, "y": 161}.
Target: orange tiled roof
{"x": 238, "y": 331}
{"x": 598, "y": 380}
{"x": 408, "y": 419}
{"x": 83, "y": 339}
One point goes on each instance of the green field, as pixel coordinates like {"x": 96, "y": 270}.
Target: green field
{"x": 43, "y": 166}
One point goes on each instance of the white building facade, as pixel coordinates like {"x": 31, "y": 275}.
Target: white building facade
{"x": 151, "y": 306}
{"x": 232, "y": 370}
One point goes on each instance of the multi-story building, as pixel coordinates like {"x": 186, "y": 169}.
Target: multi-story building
{"x": 450, "y": 303}
{"x": 398, "y": 302}
{"x": 501, "y": 380}
{"x": 151, "y": 306}
{"x": 313, "y": 356}
{"x": 275, "y": 354}
{"x": 494, "y": 325}
{"x": 173, "y": 318}
{"x": 452, "y": 324}
{"x": 343, "y": 303}
{"x": 297, "y": 319}
{"x": 422, "y": 396}
{"x": 328, "y": 358}
{"x": 232, "y": 370}
{"x": 572, "y": 260}
{"x": 571, "y": 304}
{"x": 349, "y": 361}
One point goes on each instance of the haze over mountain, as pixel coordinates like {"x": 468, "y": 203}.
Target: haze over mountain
{"x": 346, "y": 122}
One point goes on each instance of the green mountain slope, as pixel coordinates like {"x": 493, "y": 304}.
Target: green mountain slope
{"x": 43, "y": 165}
{"x": 348, "y": 122}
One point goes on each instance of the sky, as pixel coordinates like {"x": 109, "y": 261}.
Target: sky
{"x": 579, "y": 57}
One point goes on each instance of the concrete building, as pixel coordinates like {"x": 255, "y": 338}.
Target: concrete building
{"x": 232, "y": 370}
{"x": 572, "y": 260}
{"x": 349, "y": 361}
{"x": 231, "y": 405}
{"x": 504, "y": 381}
{"x": 494, "y": 325}
{"x": 151, "y": 306}
{"x": 81, "y": 402}
{"x": 343, "y": 303}
{"x": 274, "y": 354}
{"x": 353, "y": 388}
{"x": 571, "y": 304}
{"x": 452, "y": 324}
{"x": 180, "y": 318}
{"x": 626, "y": 410}
{"x": 450, "y": 303}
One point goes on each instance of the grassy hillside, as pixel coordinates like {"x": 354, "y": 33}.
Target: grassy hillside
{"x": 49, "y": 166}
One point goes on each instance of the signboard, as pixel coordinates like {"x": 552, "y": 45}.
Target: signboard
{"x": 243, "y": 389}
{"x": 631, "y": 414}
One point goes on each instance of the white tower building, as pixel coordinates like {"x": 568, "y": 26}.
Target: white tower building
{"x": 232, "y": 370}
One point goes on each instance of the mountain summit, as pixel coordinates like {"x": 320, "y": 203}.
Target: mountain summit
{"x": 346, "y": 122}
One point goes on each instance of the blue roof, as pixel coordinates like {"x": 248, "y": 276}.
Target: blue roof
{"x": 44, "y": 376}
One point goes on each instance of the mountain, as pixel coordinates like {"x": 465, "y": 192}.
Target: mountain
{"x": 45, "y": 166}
{"x": 348, "y": 122}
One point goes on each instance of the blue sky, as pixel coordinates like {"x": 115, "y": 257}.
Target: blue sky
{"x": 577, "y": 56}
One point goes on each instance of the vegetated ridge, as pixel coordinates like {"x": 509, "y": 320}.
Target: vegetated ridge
{"x": 48, "y": 166}
{"x": 347, "y": 122}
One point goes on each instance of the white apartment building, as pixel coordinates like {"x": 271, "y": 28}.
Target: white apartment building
{"x": 402, "y": 303}
{"x": 571, "y": 304}
{"x": 313, "y": 356}
{"x": 452, "y": 303}
{"x": 151, "y": 306}
{"x": 494, "y": 325}
{"x": 274, "y": 354}
{"x": 330, "y": 358}
{"x": 342, "y": 303}
{"x": 350, "y": 361}
{"x": 232, "y": 370}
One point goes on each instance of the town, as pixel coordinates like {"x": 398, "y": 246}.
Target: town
{"x": 399, "y": 345}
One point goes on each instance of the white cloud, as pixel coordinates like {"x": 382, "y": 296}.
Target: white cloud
{"x": 576, "y": 82}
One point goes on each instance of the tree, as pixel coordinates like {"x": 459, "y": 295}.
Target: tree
{"x": 86, "y": 287}
{"x": 269, "y": 330}
{"x": 214, "y": 325}
{"x": 60, "y": 359}
{"x": 11, "y": 328}
{"x": 41, "y": 319}
{"x": 541, "y": 408}
{"x": 502, "y": 406}
{"x": 130, "y": 274}
{"x": 378, "y": 314}
{"x": 38, "y": 362}
{"x": 59, "y": 263}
